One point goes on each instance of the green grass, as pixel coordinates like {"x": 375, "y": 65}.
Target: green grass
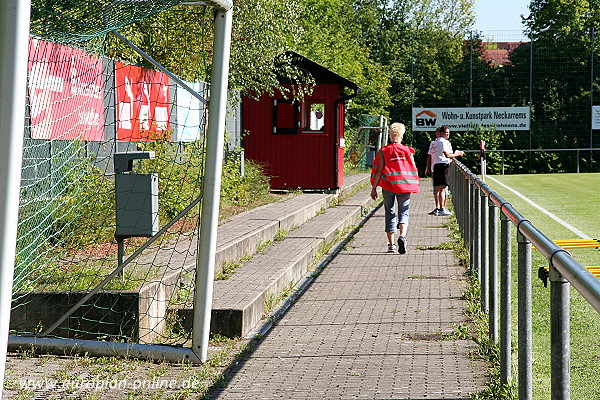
{"x": 572, "y": 198}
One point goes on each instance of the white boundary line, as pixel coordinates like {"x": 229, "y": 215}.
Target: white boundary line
{"x": 548, "y": 213}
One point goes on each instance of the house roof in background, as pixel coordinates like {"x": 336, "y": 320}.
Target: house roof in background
{"x": 497, "y": 53}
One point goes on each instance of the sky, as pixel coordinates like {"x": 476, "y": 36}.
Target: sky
{"x": 494, "y": 15}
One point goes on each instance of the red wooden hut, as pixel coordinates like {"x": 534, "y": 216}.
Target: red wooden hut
{"x": 300, "y": 143}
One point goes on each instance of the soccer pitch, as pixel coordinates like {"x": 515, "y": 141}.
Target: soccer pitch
{"x": 571, "y": 197}
{"x": 562, "y": 206}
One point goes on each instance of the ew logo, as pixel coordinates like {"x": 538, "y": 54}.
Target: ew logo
{"x": 424, "y": 121}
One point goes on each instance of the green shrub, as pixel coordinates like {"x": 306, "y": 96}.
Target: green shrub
{"x": 70, "y": 208}
{"x": 243, "y": 191}
{"x": 180, "y": 169}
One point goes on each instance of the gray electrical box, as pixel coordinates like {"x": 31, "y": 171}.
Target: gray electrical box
{"x": 370, "y": 155}
{"x": 136, "y": 204}
{"x": 136, "y": 197}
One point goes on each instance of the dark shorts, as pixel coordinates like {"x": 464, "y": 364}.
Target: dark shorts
{"x": 440, "y": 174}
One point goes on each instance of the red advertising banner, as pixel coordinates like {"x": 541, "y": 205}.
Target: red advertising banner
{"x": 142, "y": 103}
{"x": 66, "y": 91}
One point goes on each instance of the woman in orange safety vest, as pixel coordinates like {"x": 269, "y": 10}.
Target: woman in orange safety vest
{"x": 395, "y": 171}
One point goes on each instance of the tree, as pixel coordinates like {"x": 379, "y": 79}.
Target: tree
{"x": 263, "y": 30}
{"x": 180, "y": 38}
{"x": 562, "y": 34}
{"x": 333, "y": 37}
{"x": 421, "y": 42}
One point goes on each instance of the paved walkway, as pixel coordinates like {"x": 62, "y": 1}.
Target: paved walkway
{"x": 372, "y": 325}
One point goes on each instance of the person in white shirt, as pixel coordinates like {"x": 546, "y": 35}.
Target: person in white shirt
{"x": 428, "y": 166}
{"x": 441, "y": 154}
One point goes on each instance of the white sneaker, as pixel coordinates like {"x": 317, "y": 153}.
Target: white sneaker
{"x": 402, "y": 245}
{"x": 444, "y": 213}
{"x": 391, "y": 248}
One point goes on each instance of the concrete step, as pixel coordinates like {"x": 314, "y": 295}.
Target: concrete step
{"x": 239, "y": 237}
{"x": 239, "y": 302}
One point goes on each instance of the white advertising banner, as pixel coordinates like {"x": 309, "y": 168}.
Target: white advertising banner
{"x": 469, "y": 118}
{"x": 595, "y": 117}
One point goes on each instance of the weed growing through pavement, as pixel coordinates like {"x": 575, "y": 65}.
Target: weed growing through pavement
{"x": 271, "y": 300}
{"x": 161, "y": 370}
{"x": 441, "y": 246}
{"x": 228, "y": 269}
{"x": 28, "y": 352}
{"x": 281, "y": 234}
{"x": 25, "y": 394}
{"x": 45, "y": 358}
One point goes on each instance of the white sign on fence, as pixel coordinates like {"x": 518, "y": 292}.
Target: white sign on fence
{"x": 595, "y": 117}
{"x": 469, "y": 118}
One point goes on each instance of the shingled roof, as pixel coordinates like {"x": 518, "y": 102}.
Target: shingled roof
{"x": 497, "y": 53}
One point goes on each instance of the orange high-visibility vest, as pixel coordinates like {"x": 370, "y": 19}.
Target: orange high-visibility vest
{"x": 399, "y": 175}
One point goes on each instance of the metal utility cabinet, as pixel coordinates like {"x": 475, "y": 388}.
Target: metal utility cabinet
{"x": 136, "y": 197}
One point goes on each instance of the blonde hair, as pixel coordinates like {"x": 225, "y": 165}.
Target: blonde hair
{"x": 397, "y": 130}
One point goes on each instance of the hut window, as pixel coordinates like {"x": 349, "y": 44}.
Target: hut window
{"x": 285, "y": 116}
{"x": 313, "y": 117}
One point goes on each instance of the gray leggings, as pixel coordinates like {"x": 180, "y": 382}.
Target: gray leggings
{"x": 391, "y": 215}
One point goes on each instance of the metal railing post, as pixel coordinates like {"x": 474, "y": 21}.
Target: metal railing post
{"x": 471, "y": 224}
{"x": 524, "y": 318}
{"x": 469, "y": 218}
{"x": 464, "y": 218}
{"x": 456, "y": 193}
{"x": 505, "y": 298}
{"x": 476, "y": 233}
{"x": 493, "y": 270}
{"x": 465, "y": 207}
{"x": 560, "y": 345}
{"x": 459, "y": 192}
{"x": 457, "y": 197}
{"x": 484, "y": 252}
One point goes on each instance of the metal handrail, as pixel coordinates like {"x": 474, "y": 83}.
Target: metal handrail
{"x": 503, "y": 151}
{"x": 530, "y": 150}
{"x": 479, "y": 226}
{"x": 581, "y": 279}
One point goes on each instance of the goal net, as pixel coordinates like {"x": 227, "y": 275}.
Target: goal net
{"x": 106, "y": 246}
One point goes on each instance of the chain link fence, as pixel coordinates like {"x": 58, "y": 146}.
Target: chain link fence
{"x": 557, "y": 80}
